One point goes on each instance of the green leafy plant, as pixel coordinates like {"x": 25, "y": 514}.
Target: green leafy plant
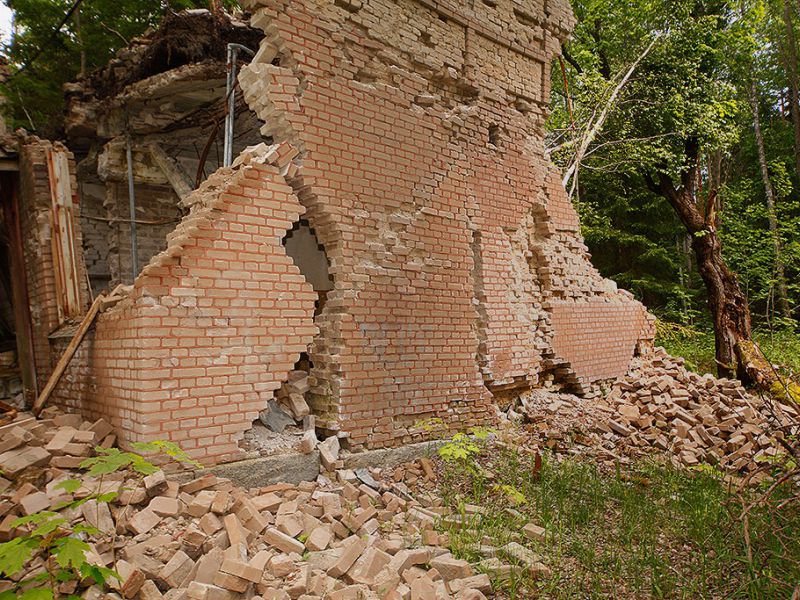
{"x": 60, "y": 544}
{"x": 463, "y": 447}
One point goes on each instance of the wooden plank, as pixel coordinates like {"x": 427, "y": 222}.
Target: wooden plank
{"x": 22, "y": 419}
{"x": 63, "y": 234}
{"x": 65, "y": 359}
{"x": 7, "y": 413}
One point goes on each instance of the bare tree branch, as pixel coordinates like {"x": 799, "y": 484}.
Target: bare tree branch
{"x": 595, "y": 124}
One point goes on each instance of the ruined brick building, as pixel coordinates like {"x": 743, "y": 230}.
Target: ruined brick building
{"x": 391, "y": 225}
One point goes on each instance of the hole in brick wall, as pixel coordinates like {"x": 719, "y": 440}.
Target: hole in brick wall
{"x": 366, "y": 75}
{"x": 309, "y": 255}
{"x": 495, "y": 135}
{"x": 352, "y": 6}
{"x": 426, "y": 39}
{"x": 287, "y": 416}
{"x": 491, "y": 3}
{"x": 284, "y": 424}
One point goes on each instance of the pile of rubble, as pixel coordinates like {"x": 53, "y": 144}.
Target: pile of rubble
{"x": 286, "y": 422}
{"x": 206, "y": 539}
{"x": 662, "y": 406}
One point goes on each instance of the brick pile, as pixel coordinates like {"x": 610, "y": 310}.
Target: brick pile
{"x": 206, "y": 539}
{"x": 662, "y": 406}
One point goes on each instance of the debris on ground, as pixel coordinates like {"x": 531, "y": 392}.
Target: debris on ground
{"x": 347, "y": 535}
{"x": 660, "y": 406}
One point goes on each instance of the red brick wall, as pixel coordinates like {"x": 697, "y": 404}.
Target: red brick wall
{"x": 456, "y": 256}
{"x": 446, "y": 249}
{"x": 596, "y": 337}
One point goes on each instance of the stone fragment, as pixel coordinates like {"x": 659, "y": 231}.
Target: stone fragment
{"x": 15, "y": 461}
{"x": 451, "y": 568}
{"x": 150, "y": 591}
{"x": 349, "y": 556}
{"x": 319, "y": 538}
{"x": 230, "y": 582}
{"x": 534, "y": 532}
{"x": 165, "y": 507}
{"x": 177, "y": 569}
{"x": 275, "y": 417}
{"x": 143, "y": 521}
{"x": 329, "y": 452}
{"x": 308, "y": 443}
{"x": 297, "y": 406}
{"x": 242, "y": 570}
{"x": 368, "y": 565}
{"x": 205, "y": 591}
{"x": 479, "y": 582}
{"x": 33, "y": 503}
{"x": 155, "y": 484}
{"x": 201, "y": 503}
{"x": 281, "y": 566}
{"x": 530, "y": 560}
{"x": 131, "y": 579}
{"x": 98, "y": 515}
{"x": 282, "y": 542}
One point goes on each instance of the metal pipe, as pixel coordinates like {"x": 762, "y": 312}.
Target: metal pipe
{"x": 230, "y": 95}
{"x": 132, "y": 208}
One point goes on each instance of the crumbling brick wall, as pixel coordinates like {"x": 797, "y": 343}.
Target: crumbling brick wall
{"x": 456, "y": 259}
{"x": 454, "y": 248}
{"x": 212, "y": 326}
{"x": 36, "y": 228}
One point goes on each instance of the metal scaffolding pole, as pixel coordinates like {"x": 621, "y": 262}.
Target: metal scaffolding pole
{"x": 230, "y": 95}
{"x": 132, "y": 208}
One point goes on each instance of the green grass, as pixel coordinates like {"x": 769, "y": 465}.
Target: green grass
{"x": 649, "y": 531}
{"x": 697, "y": 347}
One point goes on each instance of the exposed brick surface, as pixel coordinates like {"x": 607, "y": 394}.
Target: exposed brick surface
{"x": 411, "y": 137}
{"x": 596, "y": 337}
{"x": 213, "y": 325}
{"x": 424, "y": 175}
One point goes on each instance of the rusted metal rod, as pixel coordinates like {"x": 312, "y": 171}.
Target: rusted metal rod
{"x": 230, "y": 91}
{"x": 132, "y": 209}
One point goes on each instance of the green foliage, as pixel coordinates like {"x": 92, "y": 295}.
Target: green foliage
{"x": 512, "y": 494}
{"x": 50, "y": 535}
{"x": 693, "y": 85}
{"x": 167, "y": 448}
{"x": 463, "y": 447}
{"x": 111, "y": 460}
{"x": 459, "y": 449}
{"x": 697, "y": 346}
{"x": 648, "y": 530}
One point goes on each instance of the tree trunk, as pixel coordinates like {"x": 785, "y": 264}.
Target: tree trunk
{"x": 783, "y": 293}
{"x": 791, "y": 55}
{"x": 727, "y": 303}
